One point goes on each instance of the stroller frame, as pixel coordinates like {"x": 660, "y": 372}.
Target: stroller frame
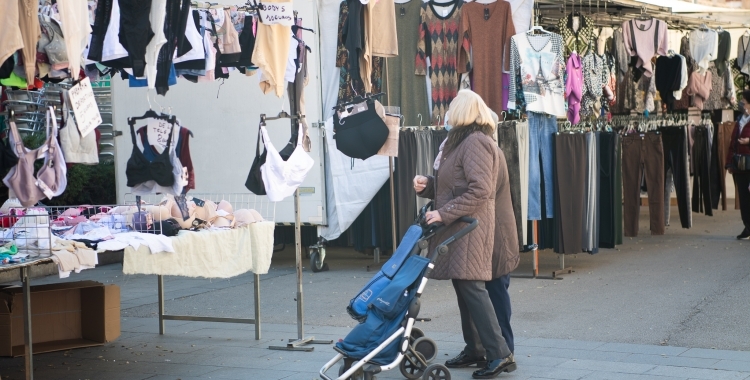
{"x": 404, "y": 332}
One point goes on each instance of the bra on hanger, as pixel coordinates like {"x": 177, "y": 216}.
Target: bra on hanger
{"x": 139, "y": 169}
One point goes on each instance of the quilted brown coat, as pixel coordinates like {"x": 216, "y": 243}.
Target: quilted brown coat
{"x": 505, "y": 255}
{"x": 465, "y": 185}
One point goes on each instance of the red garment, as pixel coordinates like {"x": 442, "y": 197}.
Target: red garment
{"x": 735, "y": 146}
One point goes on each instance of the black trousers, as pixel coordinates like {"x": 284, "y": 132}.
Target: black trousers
{"x": 742, "y": 179}
{"x": 675, "y": 158}
{"x": 482, "y": 333}
{"x": 701, "y": 172}
{"x": 406, "y": 169}
{"x": 498, "y": 290}
{"x": 508, "y": 142}
{"x": 607, "y": 167}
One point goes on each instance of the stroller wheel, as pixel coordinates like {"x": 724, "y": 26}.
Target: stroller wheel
{"x": 437, "y": 372}
{"x": 412, "y": 366}
{"x": 427, "y": 347}
{"x": 415, "y": 334}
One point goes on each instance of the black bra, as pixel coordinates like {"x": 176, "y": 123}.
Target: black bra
{"x": 139, "y": 169}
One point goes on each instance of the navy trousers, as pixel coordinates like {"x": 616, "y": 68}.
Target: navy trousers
{"x": 498, "y": 290}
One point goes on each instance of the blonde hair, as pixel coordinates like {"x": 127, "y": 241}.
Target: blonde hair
{"x": 468, "y": 108}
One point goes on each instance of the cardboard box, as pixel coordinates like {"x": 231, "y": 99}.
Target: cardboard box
{"x": 63, "y": 316}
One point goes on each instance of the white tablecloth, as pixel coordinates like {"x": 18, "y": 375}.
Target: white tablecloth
{"x": 208, "y": 254}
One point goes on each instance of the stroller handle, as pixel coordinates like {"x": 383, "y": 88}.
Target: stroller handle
{"x": 442, "y": 248}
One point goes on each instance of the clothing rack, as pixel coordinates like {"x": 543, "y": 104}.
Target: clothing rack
{"x": 301, "y": 342}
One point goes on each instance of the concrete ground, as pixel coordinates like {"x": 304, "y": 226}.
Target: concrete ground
{"x": 658, "y": 308}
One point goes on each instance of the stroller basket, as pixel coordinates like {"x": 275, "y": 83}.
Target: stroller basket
{"x": 359, "y": 305}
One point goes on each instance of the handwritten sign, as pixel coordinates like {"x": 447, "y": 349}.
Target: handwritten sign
{"x": 84, "y": 106}
{"x": 277, "y": 13}
{"x": 157, "y": 132}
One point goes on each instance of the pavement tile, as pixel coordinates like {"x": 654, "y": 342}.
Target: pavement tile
{"x": 249, "y": 373}
{"x": 743, "y": 356}
{"x": 598, "y": 365}
{"x": 547, "y": 373}
{"x": 733, "y": 365}
{"x": 698, "y": 373}
{"x": 627, "y": 376}
{"x": 675, "y": 361}
{"x": 642, "y": 349}
{"x": 561, "y": 343}
{"x": 580, "y": 354}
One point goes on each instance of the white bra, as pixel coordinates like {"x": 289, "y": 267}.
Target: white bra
{"x": 281, "y": 178}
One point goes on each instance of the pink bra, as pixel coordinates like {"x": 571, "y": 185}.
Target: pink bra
{"x": 50, "y": 180}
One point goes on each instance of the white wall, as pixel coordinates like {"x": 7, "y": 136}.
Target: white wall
{"x": 226, "y": 127}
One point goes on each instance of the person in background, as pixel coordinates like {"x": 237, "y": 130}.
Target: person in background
{"x": 468, "y": 171}
{"x": 740, "y": 146}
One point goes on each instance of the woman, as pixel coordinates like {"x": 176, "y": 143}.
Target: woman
{"x": 740, "y": 145}
{"x": 465, "y": 185}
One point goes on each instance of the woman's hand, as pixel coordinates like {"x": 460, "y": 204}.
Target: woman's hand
{"x": 744, "y": 140}
{"x": 420, "y": 182}
{"x": 433, "y": 217}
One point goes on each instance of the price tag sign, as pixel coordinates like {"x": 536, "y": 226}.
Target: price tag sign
{"x": 277, "y": 13}
{"x": 84, "y": 106}
{"x": 157, "y": 132}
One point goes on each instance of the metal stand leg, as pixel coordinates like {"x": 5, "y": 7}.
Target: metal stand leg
{"x": 256, "y": 288}
{"x": 562, "y": 269}
{"x": 27, "y": 337}
{"x": 299, "y": 343}
{"x": 536, "y": 249}
{"x": 161, "y": 304}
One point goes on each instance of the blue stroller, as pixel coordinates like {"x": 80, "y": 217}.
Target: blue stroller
{"x": 387, "y": 308}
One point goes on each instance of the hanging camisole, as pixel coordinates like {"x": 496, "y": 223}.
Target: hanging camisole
{"x": 282, "y": 178}
{"x": 139, "y": 169}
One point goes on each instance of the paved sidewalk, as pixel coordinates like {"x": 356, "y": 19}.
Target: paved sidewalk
{"x": 198, "y": 350}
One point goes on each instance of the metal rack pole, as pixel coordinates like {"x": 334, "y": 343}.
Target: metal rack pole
{"x": 27, "y": 336}
{"x": 299, "y": 344}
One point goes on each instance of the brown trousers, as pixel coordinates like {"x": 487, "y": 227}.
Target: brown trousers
{"x": 725, "y": 139}
{"x": 643, "y": 153}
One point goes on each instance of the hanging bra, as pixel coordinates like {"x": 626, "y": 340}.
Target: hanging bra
{"x": 55, "y": 46}
{"x": 139, "y": 169}
{"x": 51, "y": 179}
{"x": 282, "y": 178}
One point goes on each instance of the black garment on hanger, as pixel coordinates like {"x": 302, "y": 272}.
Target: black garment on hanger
{"x": 360, "y": 135}
{"x": 247, "y": 43}
{"x": 174, "y": 30}
{"x": 102, "y": 17}
{"x": 667, "y": 76}
{"x": 135, "y": 32}
{"x": 353, "y": 36}
{"x": 139, "y": 169}
{"x": 196, "y": 64}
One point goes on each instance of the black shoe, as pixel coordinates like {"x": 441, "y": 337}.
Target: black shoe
{"x": 463, "y": 360}
{"x": 496, "y": 367}
{"x": 745, "y": 235}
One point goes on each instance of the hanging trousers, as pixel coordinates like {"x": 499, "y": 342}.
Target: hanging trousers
{"x": 618, "y": 191}
{"x": 541, "y": 142}
{"x": 500, "y": 297}
{"x": 425, "y": 159}
{"x": 406, "y": 169}
{"x": 742, "y": 181}
{"x": 674, "y": 142}
{"x": 607, "y": 165}
{"x": 643, "y": 154}
{"x": 571, "y": 153}
{"x": 702, "y": 170}
{"x": 478, "y": 315}
{"x": 522, "y": 134}
{"x": 724, "y": 140}
{"x": 507, "y": 139}
{"x": 591, "y": 195}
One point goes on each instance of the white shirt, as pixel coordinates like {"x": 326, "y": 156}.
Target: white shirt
{"x": 704, "y": 47}
{"x": 683, "y": 79}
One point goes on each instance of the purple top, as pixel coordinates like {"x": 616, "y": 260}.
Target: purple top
{"x": 574, "y": 87}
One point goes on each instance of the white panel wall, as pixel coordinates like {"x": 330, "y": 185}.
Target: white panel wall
{"x": 224, "y": 117}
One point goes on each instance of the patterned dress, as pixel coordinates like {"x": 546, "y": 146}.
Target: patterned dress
{"x": 716, "y": 97}
{"x": 349, "y": 87}
{"x": 439, "y": 40}
{"x": 740, "y": 82}
{"x": 595, "y": 75}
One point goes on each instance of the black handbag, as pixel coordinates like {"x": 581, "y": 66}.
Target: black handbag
{"x": 254, "y": 180}
{"x": 362, "y": 134}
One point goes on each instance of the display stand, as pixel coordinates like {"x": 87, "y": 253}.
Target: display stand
{"x": 535, "y": 261}
{"x": 299, "y": 344}
{"x": 250, "y": 321}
